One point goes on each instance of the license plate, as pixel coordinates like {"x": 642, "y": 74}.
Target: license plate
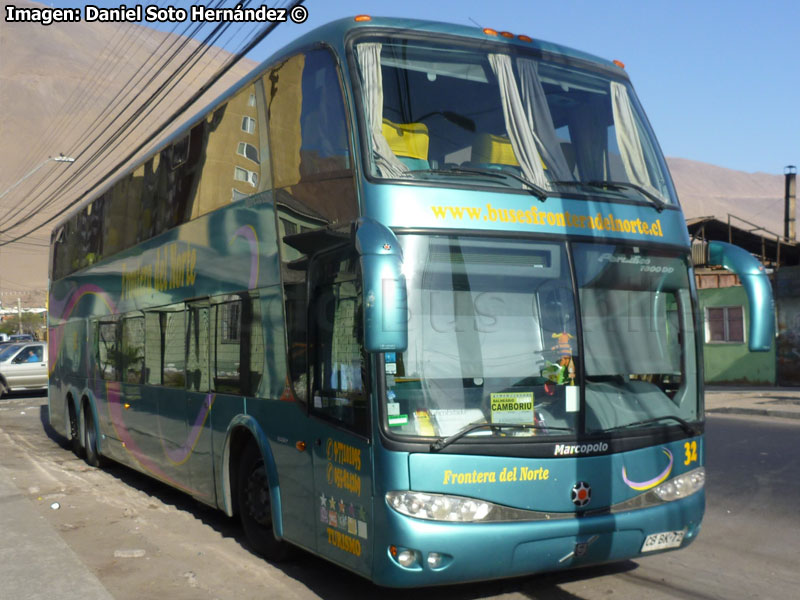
{"x": 663, "y": 540}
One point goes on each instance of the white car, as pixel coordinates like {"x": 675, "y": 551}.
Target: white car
{"x": 23, "y": 366}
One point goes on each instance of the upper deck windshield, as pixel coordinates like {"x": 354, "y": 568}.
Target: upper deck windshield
{"x": 494, "y": 340}
{"x": 482, "y": 116}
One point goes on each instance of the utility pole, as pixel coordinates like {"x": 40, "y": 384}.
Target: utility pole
{"x": 789, "y": 232}
{"x": 19, "y": 314}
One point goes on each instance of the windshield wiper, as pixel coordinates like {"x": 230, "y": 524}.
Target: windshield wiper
{"x": 685, "y": 425}
{"x": 536, "y": 190}
{"x": 657, "y": 202}
{"x": 443, "y": 442}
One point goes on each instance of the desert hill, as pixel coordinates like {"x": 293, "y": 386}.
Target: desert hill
{"x": 709, "y": 190}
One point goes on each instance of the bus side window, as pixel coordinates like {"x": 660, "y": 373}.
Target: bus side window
{"x": 339, "y": 373}
{"x": 153, "y": 349}
{"x": 173, "y": 357}
{"x": 313, "y": 177}
{"x": 197, "y": 348}
{"x": 107, "y": 349}
{"x": 227, "y": 321}
{"x": 237, "y": 346}
{"x": 133, "y": 349}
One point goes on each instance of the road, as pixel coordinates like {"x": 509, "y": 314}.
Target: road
{"x": 144, "y": 540}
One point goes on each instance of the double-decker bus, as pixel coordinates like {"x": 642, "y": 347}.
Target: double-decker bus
{"x": 414, "y": 297}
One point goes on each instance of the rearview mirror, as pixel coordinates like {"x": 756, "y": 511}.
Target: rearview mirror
{"x": 756, "y": 284}
{"x": 384, "y": 287}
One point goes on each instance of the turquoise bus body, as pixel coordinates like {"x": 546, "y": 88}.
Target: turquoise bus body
{"x": 329, "y": 486}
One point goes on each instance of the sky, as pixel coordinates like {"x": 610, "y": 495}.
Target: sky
{"x": 719, "y": 80}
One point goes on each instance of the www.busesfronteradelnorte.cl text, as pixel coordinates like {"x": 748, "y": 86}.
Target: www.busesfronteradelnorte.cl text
{"x": 534, "y": 216}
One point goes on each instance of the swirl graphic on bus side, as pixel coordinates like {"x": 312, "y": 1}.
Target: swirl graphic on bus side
{"x": 114, "y": 396}
{"x": 641, "y": 486}
{"x": 62, "y": 309}
{"x": 248, "y": 232}
{"x": 179, "y": 456}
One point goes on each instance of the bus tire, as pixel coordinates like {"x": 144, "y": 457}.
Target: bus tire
{"x": 91, "y": 456}
{"x": 74, "y": 429}
{"x": 255, "y": 506}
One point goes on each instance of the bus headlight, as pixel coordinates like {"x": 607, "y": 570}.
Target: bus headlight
{"x": 682, "y": 485}
{"x": 439, "y": 507}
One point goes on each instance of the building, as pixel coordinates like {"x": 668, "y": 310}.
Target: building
{"x": 723, "y": 305}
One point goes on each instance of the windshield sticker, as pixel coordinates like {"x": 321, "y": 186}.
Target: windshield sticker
{"x": 398, "y": 420}
{"x": 641, "y": 486}
{"x": 450, "y": 421}
{"x": 572, "y": 398}
{"x": 423, "y": 424}
{"x": 393, "y": 413}
{"x": 512, "y": 407}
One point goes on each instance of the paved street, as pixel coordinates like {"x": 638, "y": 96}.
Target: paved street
{"x": 70, "y": 531}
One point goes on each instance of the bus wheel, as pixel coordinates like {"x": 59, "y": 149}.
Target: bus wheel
{"x": 255, "y": 506}
{"x": 92, "y": 457}
{"x": 74, "y": 430}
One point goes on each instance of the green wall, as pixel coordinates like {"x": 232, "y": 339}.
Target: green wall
{"x": 733, "y": 363}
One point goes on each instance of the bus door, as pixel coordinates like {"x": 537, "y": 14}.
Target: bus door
{"x": 196, "y": 449}
{"x": 339, "y": 413}
{"x": 166, "y": 331}
{"x": 117, "y": 356}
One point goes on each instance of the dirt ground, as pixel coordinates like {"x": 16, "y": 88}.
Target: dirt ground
{"x": 143, "y": 539}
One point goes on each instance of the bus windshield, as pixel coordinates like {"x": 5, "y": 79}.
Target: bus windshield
{"x": 638, "y": 334}
{"x": 493, "y": 339}
{"x": 448, "y": 113}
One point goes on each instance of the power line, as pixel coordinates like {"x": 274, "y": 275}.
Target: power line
{"x": 87, "y": 164}
{"x": 255, "y": 40}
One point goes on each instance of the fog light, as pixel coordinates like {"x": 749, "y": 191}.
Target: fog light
{"x": 434, "y": 560}
{"x": 406, "y": 558}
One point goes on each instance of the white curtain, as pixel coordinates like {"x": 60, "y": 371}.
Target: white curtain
{"x": 541, "y": 121}
{"x": 520, "y": 130}
{"x": 369, "y": 60}
{"x": 628, "y": 140}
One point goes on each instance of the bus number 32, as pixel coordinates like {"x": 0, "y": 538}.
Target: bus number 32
{"x": 691, "y": 452}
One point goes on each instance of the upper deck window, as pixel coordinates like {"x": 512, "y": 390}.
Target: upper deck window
{"x": 487, "y": 117}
